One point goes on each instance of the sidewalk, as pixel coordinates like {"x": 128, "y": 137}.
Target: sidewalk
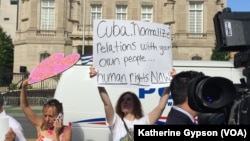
{"x": 31, "y": 140}
{"x": 16, "y": 112}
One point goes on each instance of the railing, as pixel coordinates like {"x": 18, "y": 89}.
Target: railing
{"x": 46, "y": 33}
{"x": 190, "y": 35}
{"x": 197, "y": 35}
{"x": 35, "y": 97}
{"x": 37, "y": 93}
{"x": 88, "y": 31}
{"x": 35, "y": 101}
{"x": 10, "y": 82}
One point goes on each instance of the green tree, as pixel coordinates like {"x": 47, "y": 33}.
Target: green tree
{"x": 220, "y": 56}
{"x": 6, "y": 55}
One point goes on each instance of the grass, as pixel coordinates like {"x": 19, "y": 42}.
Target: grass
{"x": 20, "y": 111}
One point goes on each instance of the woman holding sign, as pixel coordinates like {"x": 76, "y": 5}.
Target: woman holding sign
{"x": 128, "y": 111}
{"x": 49, "y": 127}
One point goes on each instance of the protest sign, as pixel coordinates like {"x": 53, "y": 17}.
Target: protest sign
{"x": 51, "y": 66}
{"x": 133, "y": 53}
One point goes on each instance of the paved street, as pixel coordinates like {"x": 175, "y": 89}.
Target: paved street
{"x": 29, "y": 130}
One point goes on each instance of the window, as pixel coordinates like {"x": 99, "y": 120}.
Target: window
{"x": 96, "y": 13}
{"x": 47, "y": 15}
{"x": 121, "y": 12}
{"x": 44, "y": 56}
{"x": 147, "y": 13}
{"x": 196, "y": 17}
{"x": 13, "y": 2}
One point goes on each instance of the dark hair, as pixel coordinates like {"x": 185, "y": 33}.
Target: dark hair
{"x": 137, "y": 109}
{"x": 1, "y": 100}
{"x": 56, "y": 103}
{"x": 180, "y": 83}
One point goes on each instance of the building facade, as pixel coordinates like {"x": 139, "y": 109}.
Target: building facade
{"x": 49, "y": 26}
{"x": 8, "y": 17}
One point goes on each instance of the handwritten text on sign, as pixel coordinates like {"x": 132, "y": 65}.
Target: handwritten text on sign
{"x": 132, "y": 53}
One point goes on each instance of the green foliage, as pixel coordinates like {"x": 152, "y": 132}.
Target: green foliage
{"x": 56, "y": 77}
{"x": 6, "y": 56}
{"x": 29, "y": 87}
{"x": 13, "y": 86}
{"x": 220, "y": 56}
{"x": 6, "y": 52}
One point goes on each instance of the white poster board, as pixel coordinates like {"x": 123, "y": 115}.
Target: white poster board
{"x": 133, "y": 53}
{"x": 4, "y": 127}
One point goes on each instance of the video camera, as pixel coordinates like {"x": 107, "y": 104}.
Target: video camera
{"x": 218, "y": 100}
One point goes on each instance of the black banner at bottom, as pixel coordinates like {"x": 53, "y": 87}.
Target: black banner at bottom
{"x": 193, "y": 132}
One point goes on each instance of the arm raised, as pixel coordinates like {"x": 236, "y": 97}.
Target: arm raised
{"x": 156, "y": 113}
{"x": 30, "y": 114}
{"x": 108, "y": 107}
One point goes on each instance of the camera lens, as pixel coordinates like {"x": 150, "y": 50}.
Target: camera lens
{"x": 211, "y": 93}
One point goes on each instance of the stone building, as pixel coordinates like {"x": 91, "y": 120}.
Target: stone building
{"x": 8, "y": 17}
{"x": 49, "y": 26}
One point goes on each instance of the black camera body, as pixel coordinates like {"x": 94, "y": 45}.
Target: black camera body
{"x": 232, "y": 30}
{"x": 240, "y": 111}
{"x": 210, "y": 94}
{"x": 212, "y": 97}
{"x": 217, "y": 99}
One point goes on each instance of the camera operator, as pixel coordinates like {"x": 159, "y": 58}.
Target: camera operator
{"x": 181, "y": 113}
{"x": 197, "y": 95}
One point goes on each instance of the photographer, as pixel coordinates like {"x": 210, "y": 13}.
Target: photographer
{"x": 197, "y": 95}
{"x": 181, "y": 113}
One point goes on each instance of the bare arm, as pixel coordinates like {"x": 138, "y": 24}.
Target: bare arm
{"x": 156, "y": 113}
{"x": 67, "y": 133}
{"x": 109, "y": 110}
{"x": 10, "y": 135}
{"x": 30, "y": 114}
{"x": 108, "y": 107}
